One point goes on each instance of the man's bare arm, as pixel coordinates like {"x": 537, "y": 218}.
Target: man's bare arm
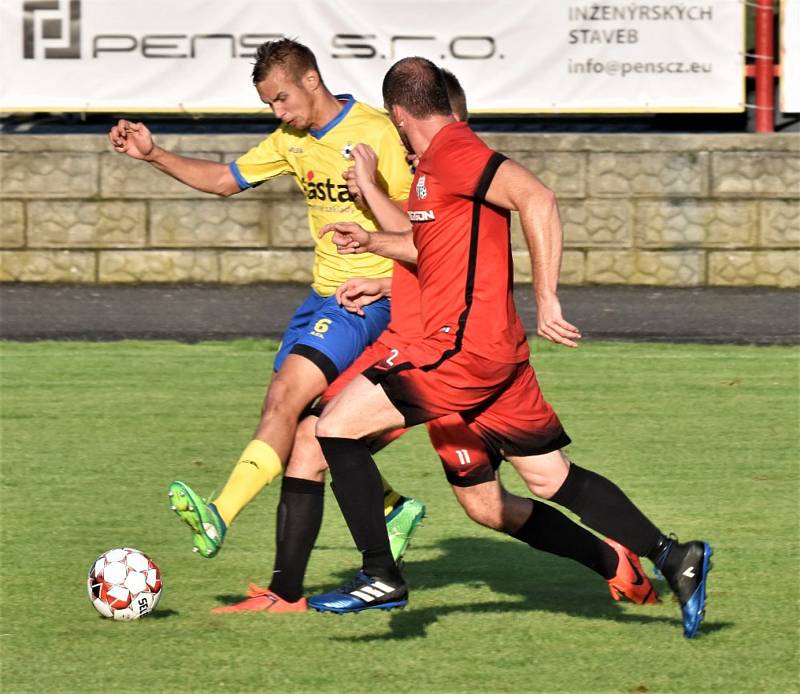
{"x": 349, "y": 237}
{"x": 209, "y": 176}
{"x": 135, "y": 140}
{"x": 516, "y": 188}
{"x": 397, "y": 245}
{"x": 358, "y": 292}
{"x": 362, "y": 183}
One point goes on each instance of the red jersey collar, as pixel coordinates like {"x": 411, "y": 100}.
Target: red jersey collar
{"x": 441, "y": 137}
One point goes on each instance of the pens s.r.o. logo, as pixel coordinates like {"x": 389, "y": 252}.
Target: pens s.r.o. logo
{"x": 51, "y": 29}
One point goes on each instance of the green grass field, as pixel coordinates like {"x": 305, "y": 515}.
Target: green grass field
{"x": 704, "y": 438}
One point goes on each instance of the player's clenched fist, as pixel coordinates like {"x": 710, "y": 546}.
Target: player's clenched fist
{"x": 348, "y": 237}
{"x": 352, "y": 185}
{"x": 133, "y": 139}
{"x": 366, "y": 165}
{"x": 362, "y": 175}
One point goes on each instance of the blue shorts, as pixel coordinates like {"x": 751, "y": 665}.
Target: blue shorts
{"x": 329, "y": 335}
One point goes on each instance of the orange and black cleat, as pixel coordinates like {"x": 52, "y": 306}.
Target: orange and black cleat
{"x": 631, "y": 582}
{"x": 263, "y": 600}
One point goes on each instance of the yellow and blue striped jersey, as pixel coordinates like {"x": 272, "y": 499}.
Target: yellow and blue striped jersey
{"x": 317, "y": 159}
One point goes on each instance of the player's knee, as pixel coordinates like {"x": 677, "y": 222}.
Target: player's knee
{"x": 282, "y": 400}
{"x": 306, "y": 461}
{"x": 546, "y": 483}
{"x": 543, "y": 487}
{"x": 327, "y": 425}
{"x": 306, "y": 469}
{"x": 543, "y": 474}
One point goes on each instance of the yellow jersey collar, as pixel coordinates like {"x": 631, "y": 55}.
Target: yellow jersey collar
{"x": 349, "y": 102}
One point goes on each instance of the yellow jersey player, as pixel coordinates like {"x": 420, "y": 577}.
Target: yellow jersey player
{"x": 318, "y": 129}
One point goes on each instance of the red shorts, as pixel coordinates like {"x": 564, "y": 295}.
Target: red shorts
{"x": 520, "y": 421}
{"x": 466, "y": 458}
{"x": 464, "y": 455}
{"x": 502, "y": 402}
{"x": 424, "y": 385}
{"x": 375, "y": 352}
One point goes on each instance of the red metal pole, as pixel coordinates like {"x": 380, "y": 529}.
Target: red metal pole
{"x": 765, "y": 58}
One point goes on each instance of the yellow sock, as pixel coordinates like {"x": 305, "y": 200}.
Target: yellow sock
{"x": 390, "y": 497}
{"x": 258, "y": 465}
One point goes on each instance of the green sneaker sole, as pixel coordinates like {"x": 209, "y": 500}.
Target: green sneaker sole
{"x": 208, "y": 534}
{"x": 402, "y": 524}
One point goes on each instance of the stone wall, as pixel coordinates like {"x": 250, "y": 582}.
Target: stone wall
{"x": 677, "y": 210}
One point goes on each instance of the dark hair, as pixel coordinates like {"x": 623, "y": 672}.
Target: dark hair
{"x": 456, "y": 95}
{"x": 418, "y": 86}
{"x": 289, "y": 54}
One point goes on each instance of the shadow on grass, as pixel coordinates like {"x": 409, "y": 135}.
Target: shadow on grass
{"x": 155, "y": 614}
{"x": 162, "y": 614}
{"x": 539, "y": 582}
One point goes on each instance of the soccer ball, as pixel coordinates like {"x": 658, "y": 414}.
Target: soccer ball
{"x": 124, "y": 584}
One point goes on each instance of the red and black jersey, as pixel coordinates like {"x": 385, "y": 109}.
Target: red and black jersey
{"x": 464, "y": 263}
{"x": 406, "y": 319}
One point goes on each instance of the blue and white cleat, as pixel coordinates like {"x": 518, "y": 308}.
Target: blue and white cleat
{"x": 362, "y": 593}
{"x": 687, "y": 577}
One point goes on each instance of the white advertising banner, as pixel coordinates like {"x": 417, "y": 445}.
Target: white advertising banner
{"x": 512, "y": 56}
{"x": 790, "y": 56}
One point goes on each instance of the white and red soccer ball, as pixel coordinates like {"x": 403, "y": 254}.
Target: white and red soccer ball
{"x": 124, "y": 584}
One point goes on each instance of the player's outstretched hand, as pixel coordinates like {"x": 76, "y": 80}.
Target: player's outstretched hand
{"x": 133, "y": 139}
{"x": 348, "y": 237}
{"x": 552, "y": 326}
{"x": 358, "y": 292}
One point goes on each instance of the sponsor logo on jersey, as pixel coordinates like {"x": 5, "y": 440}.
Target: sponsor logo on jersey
{"x": 422, "y": 191}
{"x": 421, "y": 215}
{"x": 325, "y": 189}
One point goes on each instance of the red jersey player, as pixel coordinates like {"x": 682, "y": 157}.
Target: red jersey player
{"x": 473, "y": 358}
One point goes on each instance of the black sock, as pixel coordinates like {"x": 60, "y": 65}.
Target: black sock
{"x": 660, "y": 554}
{"x": 603, "y": 506}
{"x": 549, "y": 530}
{"x": 358, "y": 488}
{"x": 299, "y": 520}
